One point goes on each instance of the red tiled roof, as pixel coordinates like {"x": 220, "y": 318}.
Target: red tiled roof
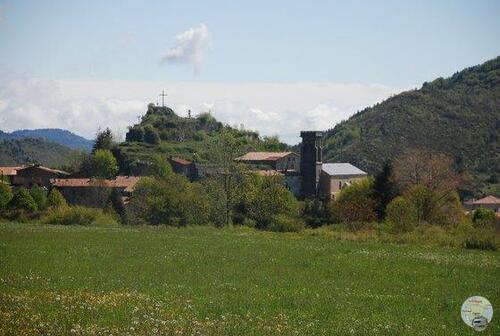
{"x": 487, "y": 200}
{"x": 9, "y": 171}
{"x": 81, "y": 182}
{"x": 263, "y": 156}
{"x": 126, "y": 182}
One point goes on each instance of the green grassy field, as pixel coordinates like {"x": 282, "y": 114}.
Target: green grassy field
{"x": 206, "y": 281}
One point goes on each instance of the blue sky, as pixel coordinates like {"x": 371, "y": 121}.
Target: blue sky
{"x": 376, "y": 48}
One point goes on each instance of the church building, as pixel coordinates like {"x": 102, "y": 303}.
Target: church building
{"x": 323, "y": 180}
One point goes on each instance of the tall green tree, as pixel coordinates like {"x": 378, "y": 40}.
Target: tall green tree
{"x": 104, "y": 164}
{"x": 5, "y": 195}
{"x": 384, "y": 189}
{"x": 103, "y": 141}
{"x": 228, "y": 176}
{"x": 269, "y": 198}
{"x": 159, "y": 166}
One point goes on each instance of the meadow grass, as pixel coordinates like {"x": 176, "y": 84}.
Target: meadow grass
{"x": 58, "y": 280}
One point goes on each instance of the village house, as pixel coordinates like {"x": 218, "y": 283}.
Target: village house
{"x": 488, "y": 202}
{"x": 36, "y": 175}
{"x": 92, "y": 192}
{"x": 306, "y": 175}
{"x": 184, "y": 167}
{"x": 7, "y": 173}
{"x": 280, "y": 161}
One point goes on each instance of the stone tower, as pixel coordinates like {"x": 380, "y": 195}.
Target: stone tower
{"x": 311, "y": 161}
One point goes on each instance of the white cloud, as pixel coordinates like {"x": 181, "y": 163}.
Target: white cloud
{"x": 272, "y": 109}
{"x": 190, "y": 47}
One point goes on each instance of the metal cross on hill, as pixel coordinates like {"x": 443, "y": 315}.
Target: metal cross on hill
{"x": 163, "y": 95}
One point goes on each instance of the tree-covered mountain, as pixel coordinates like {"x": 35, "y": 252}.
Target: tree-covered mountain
{"x": 458, "y": 116}
{"x": 30, "y": 150}
{"x": 59, "y": 136}
{"x": 161, "y": 131}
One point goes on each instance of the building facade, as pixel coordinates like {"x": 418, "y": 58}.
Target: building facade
{"x": 336, "y": 176}
{"x": 280, "y": 161}
{"x": 36, "y": 175}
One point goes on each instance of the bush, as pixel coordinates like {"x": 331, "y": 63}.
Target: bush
{"x": 5, "y": 195}
{"x": 116, "y": 205}
{"x": 151, "y": 135}
{"x": 135, "y": 133}
{"x": 481, "y": 239}
{"x": 78, "y": 216}
{"x": 401, "y": 215}
{"x": 169, "y": 201}
{"x": 435, "y": 207}
{"x": 355, "y": 203}
{"x": 483, "y": 217}
{"x": 284, "y": 223}
{"x": 268, "y": 197}
{"x": 56, "y": 200}
{"x": 22, "y": 200}
{"x": 316, "y": 212}
{"x": 40, "y": 197}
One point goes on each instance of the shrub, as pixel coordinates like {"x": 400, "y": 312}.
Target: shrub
{"x": 481, "y": 239}
{"x": 56, "y": 200}
{"x": 170, "y": 201}
{"x": 22, "y": 200}
{"x": 355, "y": 203}
{"x": 401, "y": 215}
{"x": 151, "y": 135}
{"x": 78, "y": 215}
{"x": 115, "y": 203}
{"x": 483, "y": 217}
{"x": 135, "y": 133}
{"x": 39, "y": 196}
{"x": 284, "y": 223}
{"x": 5, "y": 195}
{"x": 268, "y": 197}
{"x": 316, "y": 212}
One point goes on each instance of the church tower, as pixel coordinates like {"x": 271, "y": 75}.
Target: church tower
{"x": 311, "y": 161}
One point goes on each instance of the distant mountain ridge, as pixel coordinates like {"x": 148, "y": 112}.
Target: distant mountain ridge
{"x": 22, "y": 151}
{"x": 458, "y": 116}
{"x": 56, "y": 135}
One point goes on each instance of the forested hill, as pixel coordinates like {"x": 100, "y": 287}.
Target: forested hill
{"x": 458, "y": 116}
{"x": 162, "y": 131}
{"x": 57, "y": 135}
{"x": 28, "y": 150}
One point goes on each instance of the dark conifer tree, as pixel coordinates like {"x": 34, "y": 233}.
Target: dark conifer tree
{"x": 384, "y": 190}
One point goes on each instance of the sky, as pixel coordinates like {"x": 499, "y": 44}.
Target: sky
{"x": 277, "y": 67}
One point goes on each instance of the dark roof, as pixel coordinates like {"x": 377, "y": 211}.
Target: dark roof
{"x": 50, "y": 170}
{"x": 340, "y": 169}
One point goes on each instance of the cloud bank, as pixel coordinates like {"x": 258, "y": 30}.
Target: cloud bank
{"x": 191, "y": 46}
{"x": 83, "y": 106}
